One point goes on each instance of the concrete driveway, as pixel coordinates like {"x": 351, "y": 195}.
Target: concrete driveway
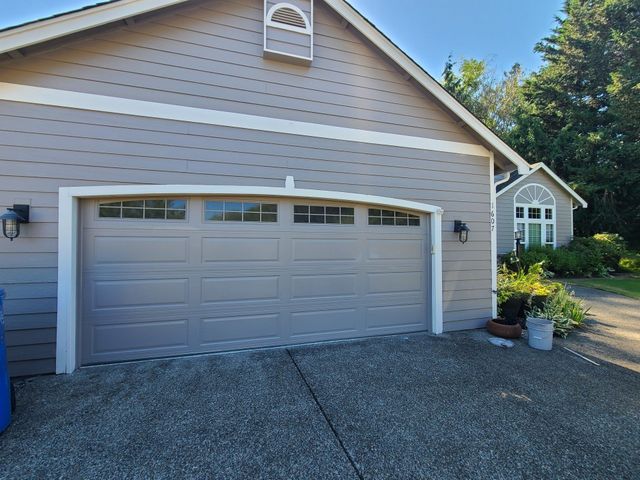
{"x": 394, "y": 407}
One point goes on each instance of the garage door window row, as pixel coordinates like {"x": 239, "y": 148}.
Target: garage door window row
{"x": 391, "y": 217}
{"x": 152, "y": 209}
{"x": 234, "y": 211}
{"x": 249, "y": 211}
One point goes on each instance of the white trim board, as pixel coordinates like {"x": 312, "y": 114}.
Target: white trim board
{"x": 45, "y": 30}
{"x": 124, "y": 106}
{"x": 541, "y": 166}
{"x": 68, "y": 243}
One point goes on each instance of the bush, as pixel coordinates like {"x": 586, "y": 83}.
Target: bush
{"x": 630, "y": 263}
{"x": 564, "y": 310}
{"x": 522, "y": 283}
{"x": 583, "y": 257}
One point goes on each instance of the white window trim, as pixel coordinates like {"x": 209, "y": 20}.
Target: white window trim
{"x": 69, "y": 234}
{"x": 541, "y": 221}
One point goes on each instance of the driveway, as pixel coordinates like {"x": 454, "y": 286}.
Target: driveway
{"x": 412, "y": 406}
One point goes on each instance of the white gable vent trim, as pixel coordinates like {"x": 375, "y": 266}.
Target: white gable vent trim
{"x": 288, "y": 31}
{"x": 288, "y": 17}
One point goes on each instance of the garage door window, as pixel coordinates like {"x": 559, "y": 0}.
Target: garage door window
{"x": 238, "y": 211}
{"x": 391, "y": 217}
{"x": 323, "y": 214}
{"x": 152, "y": 209}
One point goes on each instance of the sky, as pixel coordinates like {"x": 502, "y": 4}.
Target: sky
{"x": 501, "y": 31}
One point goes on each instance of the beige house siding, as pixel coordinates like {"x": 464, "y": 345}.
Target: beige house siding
{"x": 210, "y": 57}
{"x": 505, "y": 206}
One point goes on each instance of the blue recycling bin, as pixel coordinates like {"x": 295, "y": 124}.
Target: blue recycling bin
{"x": 5, "y": 385}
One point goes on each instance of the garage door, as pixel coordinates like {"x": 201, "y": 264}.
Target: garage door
{"x": 173, "y": 276}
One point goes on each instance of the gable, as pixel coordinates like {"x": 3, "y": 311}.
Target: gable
{"x": 209, "y": 55}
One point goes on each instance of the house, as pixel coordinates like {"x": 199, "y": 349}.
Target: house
{"x": 537, "y": 204}
{"x": 211, "y": 175}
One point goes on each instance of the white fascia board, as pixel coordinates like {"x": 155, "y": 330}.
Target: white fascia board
{"x": 45, "y": 30}
{"x": 102, "y": 103}
{"x": 68, "y": 243}
{"x": 541, "y": 166}
{"x": 407, "y": 64}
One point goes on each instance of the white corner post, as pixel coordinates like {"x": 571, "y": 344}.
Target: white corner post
{"x": 67, "y": 281}
{"x": 437, "y": 324}
{"x": 494, "y": 238}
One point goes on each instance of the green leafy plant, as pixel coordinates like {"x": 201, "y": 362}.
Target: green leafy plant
{"x": 564, "y": 310}
{"x": 630, "y": 263}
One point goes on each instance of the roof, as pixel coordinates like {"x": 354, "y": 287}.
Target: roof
{"x": 57, "y": 26}
{"x": 517, "y": 178}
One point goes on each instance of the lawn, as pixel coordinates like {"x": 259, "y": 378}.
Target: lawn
{"x": 628, "y": 286}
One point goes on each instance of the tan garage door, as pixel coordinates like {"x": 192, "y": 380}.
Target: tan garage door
{"x": 173, "y": 276}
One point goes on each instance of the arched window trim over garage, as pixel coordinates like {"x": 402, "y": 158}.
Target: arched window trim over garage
{"x": 534, "y": 213}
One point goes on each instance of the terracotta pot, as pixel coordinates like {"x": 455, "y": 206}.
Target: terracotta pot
{"x": 504, "y": 331}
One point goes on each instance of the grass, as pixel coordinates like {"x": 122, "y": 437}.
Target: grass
{"x": 627, "y": 286}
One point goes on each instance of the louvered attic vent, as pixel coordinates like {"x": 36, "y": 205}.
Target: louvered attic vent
{"x": 288, "y": 16}
{"x": 288, "y": 30}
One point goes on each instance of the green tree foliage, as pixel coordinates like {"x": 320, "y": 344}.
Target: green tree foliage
{"x": 580, "y": 113}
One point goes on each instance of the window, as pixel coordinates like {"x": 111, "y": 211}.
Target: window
{"x": 549, "y": 237}
{"x": 534, "y": 213}
{"x": 239, "y": 211}
{"x": 391, "y": 217}
{"x": 548, "y": 214}
{"x": 322, "y": 214}
{"x": 151, "y": 209}
{"x": 519, "y": 212}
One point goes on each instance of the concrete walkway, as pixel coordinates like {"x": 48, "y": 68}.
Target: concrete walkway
{"x": 612, "y": 331}
{"x": 417, "y": 406}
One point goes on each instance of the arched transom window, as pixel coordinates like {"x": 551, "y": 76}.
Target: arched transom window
{"x": 535, "y": 215}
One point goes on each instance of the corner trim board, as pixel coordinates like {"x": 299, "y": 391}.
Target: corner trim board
{"x": 102, "y": 103}
{"x": 69, "y": 234}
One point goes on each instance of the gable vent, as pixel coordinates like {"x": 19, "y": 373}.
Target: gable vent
{"x": 288, "y": 16}
{"x": 288, "y": 31}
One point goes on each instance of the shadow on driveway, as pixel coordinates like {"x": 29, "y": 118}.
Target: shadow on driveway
{"x": 412, "y": 406}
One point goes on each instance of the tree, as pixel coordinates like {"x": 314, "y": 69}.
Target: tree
{"x": 493, "y": 101}
{"x": 581, "y": 111}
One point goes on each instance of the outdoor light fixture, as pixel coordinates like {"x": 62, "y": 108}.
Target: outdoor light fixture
{"x": 519, "y": 237}
{"x": 462, "y": 230}
{"x": 12, "y": 219}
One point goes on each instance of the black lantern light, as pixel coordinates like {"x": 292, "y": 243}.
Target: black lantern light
{"x": 518, "y": 235}
{"x": 12, "y": 219}
{"x": 462, "y": 230}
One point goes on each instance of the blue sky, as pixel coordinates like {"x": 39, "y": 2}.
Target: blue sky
{"x": 501, "y": 31}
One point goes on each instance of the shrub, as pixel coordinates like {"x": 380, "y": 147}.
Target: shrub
{"x": 612, "y": 247}
{"x": 564, "y": 310}
{"x": 522, "y": 283}
{"x": 630, "y": 263}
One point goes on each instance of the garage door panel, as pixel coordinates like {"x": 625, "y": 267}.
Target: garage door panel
{"x": 246, "y": 328}
{"x": 306, "y": 324}
{"x": 205, "y": 286}
{"x": 395, "y": 316}
{"x": 110, "y": 339}
{"x": 240, "y": 249}
{"x": 392, "y": 282}
{"x": 326, "y": 249}
{"x": 229, "y": 289}
{"x": 139, "y": 250}
{"x": 148, "y": 293}
{"x": 318, "y": 286}
{"x": 395, "y": 249}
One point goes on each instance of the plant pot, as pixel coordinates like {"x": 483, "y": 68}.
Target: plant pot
{"x": 502, "y": 330}
{"x": 538, "y": 301}
{"x": 511, "y": 309}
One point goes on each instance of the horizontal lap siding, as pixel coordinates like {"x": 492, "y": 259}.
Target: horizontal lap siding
{"x": 564, "y": 211}
{"x": 44, "y": 148}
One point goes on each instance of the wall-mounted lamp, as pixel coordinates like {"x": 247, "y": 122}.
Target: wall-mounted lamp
{"x": 462, "y": 230}
{"x": 12, "y": 219}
